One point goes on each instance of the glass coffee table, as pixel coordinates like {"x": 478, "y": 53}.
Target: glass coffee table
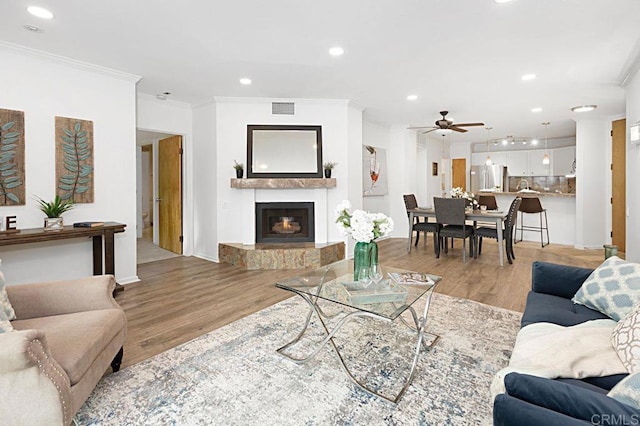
{"x": 385, "y": 300}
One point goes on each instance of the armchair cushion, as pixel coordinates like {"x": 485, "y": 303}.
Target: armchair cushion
{"x": 76, "y": 340}
{"x": 542, "y": 307}
{"x": 6, "y": 310}
{"x": 557, "y": 280}
{"x": 628, "y": 391}
{"x": 613, "y": 288}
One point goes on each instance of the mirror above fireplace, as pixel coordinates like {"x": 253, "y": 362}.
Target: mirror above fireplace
{"x": 284, "y": 151}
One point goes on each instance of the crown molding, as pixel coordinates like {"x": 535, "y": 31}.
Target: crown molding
{"x": 228, "y": 99}
{"x": 51, "y": 57}
{"x": 171, "y": 102}
{"x": 631, "y": 66}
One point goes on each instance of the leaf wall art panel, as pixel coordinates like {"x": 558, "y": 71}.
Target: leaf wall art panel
{"x": 12, "y": 191}
{"x": 74, "y": 159}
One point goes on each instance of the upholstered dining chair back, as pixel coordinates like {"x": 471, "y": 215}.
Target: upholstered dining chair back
{"x": 513, "y": 211}
{"x": 410, "y": 201}
{"x": 450, "y": 211}
{"x": 489, "y": 201}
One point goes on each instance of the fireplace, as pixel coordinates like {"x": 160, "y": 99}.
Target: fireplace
{"x": 285, "y": 222}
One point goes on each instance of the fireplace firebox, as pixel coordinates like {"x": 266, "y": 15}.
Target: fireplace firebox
{"x": 285, "y": 222}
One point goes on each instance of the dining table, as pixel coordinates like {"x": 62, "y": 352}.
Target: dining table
{"x": 494, "y": 216}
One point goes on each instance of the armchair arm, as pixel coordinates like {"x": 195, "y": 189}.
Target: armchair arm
{"x": 510, "y": 411}
{"x": 557, "y": 280}
{"x": 62, "y": 297}
{"x": 34, "y": 389}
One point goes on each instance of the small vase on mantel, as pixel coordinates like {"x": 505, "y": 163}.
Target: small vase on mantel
{"x": 365, "y": 255}
{"x": 53, "y": 223}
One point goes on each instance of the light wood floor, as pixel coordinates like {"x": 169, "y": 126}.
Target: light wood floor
{"x": 182, "y": 298}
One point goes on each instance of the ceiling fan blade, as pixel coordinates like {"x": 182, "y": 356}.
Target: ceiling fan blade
{"x": 468, "y": 124}
{"x": 428, "y": 131}
{"x": 458, "y": 129}
{"x": 420, "y": 127}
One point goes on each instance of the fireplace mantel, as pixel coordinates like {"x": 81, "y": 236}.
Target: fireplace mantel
{"x": 283, "y": 183}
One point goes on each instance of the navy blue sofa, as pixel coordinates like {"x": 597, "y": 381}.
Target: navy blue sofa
{"x": 533, "y": 400}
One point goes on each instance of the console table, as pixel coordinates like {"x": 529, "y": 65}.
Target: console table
{"x": 98, "y": 234}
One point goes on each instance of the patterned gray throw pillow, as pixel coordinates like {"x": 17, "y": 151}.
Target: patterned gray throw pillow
{"x": 627, "y": 390}
{"x": 626, "y": 340}
{"x": 5, "y": 305}
{"x": 613, "y": 288}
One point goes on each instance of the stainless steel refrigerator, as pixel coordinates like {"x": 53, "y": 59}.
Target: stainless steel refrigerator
{"x": 488, "y": 178}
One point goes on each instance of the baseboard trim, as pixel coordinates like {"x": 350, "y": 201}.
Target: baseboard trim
{"x": 128, "y": 280}
{"x": 205, "y": 257}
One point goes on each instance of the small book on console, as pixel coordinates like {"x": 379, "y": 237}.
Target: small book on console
{"x": 87, "y": 224}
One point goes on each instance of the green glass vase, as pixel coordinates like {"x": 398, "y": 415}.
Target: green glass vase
{"x": 365, "y": 255}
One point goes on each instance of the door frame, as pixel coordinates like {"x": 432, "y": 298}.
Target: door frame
{"x": 186, "y": 201}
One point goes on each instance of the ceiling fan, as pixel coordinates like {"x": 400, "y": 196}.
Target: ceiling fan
{"x": 446, "y": 125}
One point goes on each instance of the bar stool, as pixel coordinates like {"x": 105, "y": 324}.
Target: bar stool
{"x": 489, "y": 201}
{"x": 532, "y": 205}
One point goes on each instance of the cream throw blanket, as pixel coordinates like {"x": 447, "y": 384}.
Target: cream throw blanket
{"x": 554, "y": 351}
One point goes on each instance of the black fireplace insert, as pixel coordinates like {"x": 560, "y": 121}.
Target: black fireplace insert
{"x": 285, "y": 222}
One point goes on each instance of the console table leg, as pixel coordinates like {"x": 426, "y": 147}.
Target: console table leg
{"x": 97, "y": 255}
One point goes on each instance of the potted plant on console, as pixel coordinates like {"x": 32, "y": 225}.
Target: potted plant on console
{"x": 239, "y": 169}
{"x": 328, "y": 166}
{"x": 54, "y": 210}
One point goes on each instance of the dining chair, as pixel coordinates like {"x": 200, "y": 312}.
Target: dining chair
{"x": 507, "y": 232}
{"x": 450, "y": 214}
{"x": 410, "y": 202}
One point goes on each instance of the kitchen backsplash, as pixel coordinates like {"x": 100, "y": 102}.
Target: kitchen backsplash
{"x": 557, "y": 184}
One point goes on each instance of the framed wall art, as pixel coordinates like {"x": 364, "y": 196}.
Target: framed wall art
{"x": 74, "y": 159}
{"x": 12, "y": 191}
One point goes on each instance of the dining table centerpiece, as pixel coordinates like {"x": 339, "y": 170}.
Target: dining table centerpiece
{"x": 365, "y": 228}
{"x": 458, "y": 192}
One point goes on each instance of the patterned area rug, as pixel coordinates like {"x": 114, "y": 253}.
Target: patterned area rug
{"x": 234, "y": 376}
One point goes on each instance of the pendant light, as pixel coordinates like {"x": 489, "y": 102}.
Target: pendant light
{"x": 545, "y": 158}
{"x": 488, "y": 162}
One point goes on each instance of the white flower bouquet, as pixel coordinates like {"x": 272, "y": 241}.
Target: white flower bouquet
{"x": 362, "y": 226}
{"x": 457, "y": 192}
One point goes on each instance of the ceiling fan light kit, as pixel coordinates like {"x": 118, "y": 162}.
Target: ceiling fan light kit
{"x": 584, "y": 108}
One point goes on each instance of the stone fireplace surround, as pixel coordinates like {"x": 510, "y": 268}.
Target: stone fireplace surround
{"x": 282, "y": 256}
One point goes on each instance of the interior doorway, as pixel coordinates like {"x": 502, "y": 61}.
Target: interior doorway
{"x": 159, "y": 196}
{"x": 459, "y": 173}
{"x": 618, "y": 183}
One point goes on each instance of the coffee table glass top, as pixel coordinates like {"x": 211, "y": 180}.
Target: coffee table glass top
{"x": 335, "y": 283}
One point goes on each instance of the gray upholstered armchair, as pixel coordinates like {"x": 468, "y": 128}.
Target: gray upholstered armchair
{"x": 67, "y": 334}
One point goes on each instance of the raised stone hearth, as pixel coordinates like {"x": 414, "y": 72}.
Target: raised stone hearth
{"x": 277, "y": 256}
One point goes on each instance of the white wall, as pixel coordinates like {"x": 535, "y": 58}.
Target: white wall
{"x": 341, "y": 130}
{"x": 402, "y": 178}
{"x": 633, "y": 173}
{"x": 592, "y": 135}
{"x": 174, "y": 118}
{"x": 45, "y": 86}
{"x": 206, "y": 206}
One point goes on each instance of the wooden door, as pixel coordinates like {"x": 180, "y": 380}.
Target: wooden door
{"x": 170, "y": 193}
{"x": 459, "y": 173}
{"x": 618, "y": 185}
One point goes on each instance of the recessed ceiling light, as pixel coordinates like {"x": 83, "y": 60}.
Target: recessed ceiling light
{"x": 336, "y": 51}
{"x": 536, "y": 109}
{"x": 502, "y": 1}
{"x": 40, "y": 12}
{"x": 412, "y": 97}
{"x": 584, "y": 108}
{"x": 534, "y": 142}
{"x": 32, "y": 28}
{"x": 528, "y": 77}
{"x": 245, "y": 81}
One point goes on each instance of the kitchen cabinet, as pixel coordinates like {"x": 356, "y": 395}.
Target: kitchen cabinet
{"x": 536, "y": 168}
{"x": 563, "y": 159}
{"x": 518, "y": 163}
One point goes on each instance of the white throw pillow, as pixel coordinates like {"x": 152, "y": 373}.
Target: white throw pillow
{"x": 5, "y": 305}
{"x": 626, "y": 340}
{"x": 613, "y": 288}
{"x": 627, "y": 391}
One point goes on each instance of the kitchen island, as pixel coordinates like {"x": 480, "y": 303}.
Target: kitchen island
{"x": 561, "y": 213}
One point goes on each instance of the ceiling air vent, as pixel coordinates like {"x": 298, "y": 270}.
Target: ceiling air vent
{"x": 282, "y": 108}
